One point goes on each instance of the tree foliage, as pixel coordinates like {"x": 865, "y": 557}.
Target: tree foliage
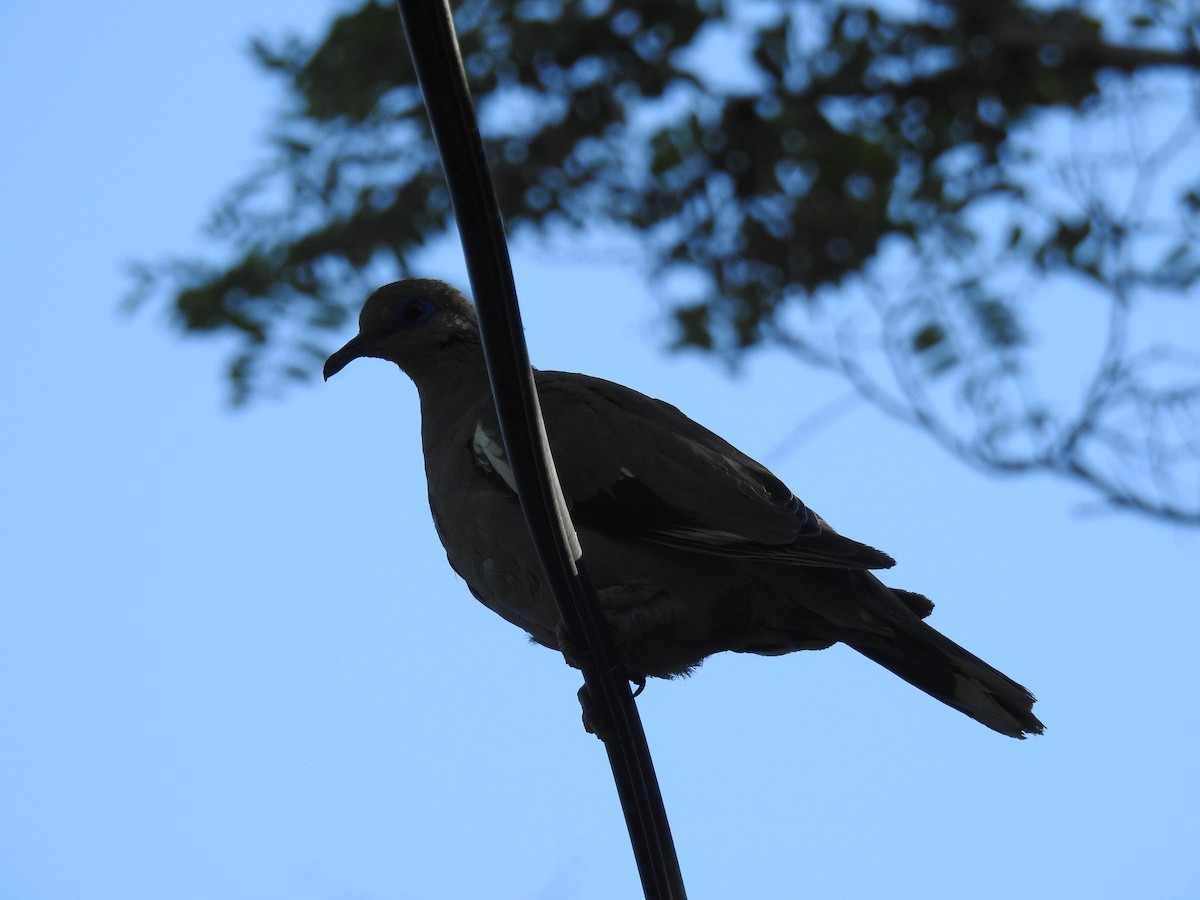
{"x": 942, "y": 201}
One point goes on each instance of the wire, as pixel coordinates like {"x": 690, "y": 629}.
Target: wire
{"x": 429, "y": 31}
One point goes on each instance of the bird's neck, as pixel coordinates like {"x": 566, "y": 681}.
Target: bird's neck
{"x": 454, "y": 389}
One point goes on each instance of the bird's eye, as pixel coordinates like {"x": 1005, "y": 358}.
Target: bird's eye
{"x": 413, "y": 312}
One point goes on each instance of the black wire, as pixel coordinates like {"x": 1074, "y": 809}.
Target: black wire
{"x": 429, "y": 31}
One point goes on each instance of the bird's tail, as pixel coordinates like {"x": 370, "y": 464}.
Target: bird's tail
{"x": 929, "y": 660}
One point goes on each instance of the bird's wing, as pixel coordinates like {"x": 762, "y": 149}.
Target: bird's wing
{"x": 639, "y": 469}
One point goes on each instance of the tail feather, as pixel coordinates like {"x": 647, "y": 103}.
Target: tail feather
{"x": 927, "y": 659}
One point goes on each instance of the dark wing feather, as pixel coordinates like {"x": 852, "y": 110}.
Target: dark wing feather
{"x": 632, "y": 511}
{"x": 640, "y": 470}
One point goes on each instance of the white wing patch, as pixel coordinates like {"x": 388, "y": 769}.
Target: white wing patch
{"x": 489, "y": 453}
{"x": 488, "y": 450}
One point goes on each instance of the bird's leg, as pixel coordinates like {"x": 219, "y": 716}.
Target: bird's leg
{"x": 578, "y": 657}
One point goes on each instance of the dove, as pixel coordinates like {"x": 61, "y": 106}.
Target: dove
{"x": 694, "y": 548}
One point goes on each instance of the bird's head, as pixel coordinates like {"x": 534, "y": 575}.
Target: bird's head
{"x": 409, "y": 322}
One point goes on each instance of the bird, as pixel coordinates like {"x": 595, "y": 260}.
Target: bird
{"x": 694, "y": 548}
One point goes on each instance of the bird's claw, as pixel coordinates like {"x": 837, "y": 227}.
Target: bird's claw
{"x": 578, "y": 656}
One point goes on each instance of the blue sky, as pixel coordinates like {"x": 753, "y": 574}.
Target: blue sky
{"x": 234, "y": 663}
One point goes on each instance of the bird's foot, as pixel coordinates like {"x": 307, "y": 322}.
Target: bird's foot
{"x": 594, "y": 722}
{"x": 595, "y": 719}
{"x": 579, "y": 657}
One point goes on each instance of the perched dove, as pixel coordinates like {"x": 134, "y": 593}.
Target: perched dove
{"x": 694, "y": 547}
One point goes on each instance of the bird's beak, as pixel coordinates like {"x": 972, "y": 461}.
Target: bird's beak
{"x": 355, "y": 348}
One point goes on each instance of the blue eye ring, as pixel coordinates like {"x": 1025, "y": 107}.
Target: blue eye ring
{"x": 412, "y": 313}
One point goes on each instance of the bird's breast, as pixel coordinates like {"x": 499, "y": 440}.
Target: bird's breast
{"x": 480, "y": 523}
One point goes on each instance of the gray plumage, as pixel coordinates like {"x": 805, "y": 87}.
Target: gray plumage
{"x": 694, "y": 547}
